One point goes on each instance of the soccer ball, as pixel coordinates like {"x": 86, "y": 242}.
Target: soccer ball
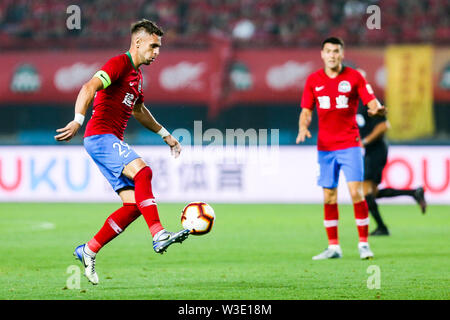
{"x": 198, "y": 217}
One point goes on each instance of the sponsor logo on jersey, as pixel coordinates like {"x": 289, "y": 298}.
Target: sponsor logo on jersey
{"x": 129, "y": 100}
{"x": 324, "y": 102}
{"x": 344, "y": 86}
{"x": 319, "y": 88}
{"x": 341, "y": 102}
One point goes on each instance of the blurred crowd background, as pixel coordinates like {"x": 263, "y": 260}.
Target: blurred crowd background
{"x": 41, "y": 23}
{"x": 33, "y": 33}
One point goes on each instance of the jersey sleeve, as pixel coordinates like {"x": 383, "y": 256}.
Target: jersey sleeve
{"x": 141, "y": 92}
{"x": 308, "y": 95}
{"x": 111, "y": 71}
{"x": 365, "y": 91}
{"x": 140, "y": 99}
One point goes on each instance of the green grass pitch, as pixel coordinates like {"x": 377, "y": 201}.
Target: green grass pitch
{"x": 255, "y": 251}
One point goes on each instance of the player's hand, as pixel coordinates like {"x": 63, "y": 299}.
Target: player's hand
{"x": 68, "y": 132}
{"x": 380, "y": 111}
{"x": 302, "y": 135}
{"x": 175, "y": 146}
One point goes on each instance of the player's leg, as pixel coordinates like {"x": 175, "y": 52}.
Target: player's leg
{"x": 360, "y": 208}
{"x": 417, "y": 194}
{"x": 101, "y": 150}
{"x": 116, "y": 223}
{"x": 141, "y": 174}
{"x": 331, "y": 215}
{"x": 374, "y": 162}
{"x": 352, "y": 163}
{"x": 138, "y": 171}
{"x": 110, "y": 161}
{"x": 361, "y": 211}
{"x": 328, "y": 179}
{"x": 369, "y": 191}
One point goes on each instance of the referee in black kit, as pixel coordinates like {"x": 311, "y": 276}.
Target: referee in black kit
{"x": 372, "y": 131}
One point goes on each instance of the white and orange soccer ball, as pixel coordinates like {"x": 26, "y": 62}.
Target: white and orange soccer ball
{"x": 198, "y": 217}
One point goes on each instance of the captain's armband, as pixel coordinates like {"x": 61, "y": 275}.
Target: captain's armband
{"x": 104, "y": 77}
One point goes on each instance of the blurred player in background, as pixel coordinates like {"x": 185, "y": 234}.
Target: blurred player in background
{"x": 117, "y": 93}
{"x": 335, "y": 91}
{"x": 372, "y": 131}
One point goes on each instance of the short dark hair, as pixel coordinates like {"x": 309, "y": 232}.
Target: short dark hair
{"x": 333, "y": 40}
{"x": 148, "y": 26}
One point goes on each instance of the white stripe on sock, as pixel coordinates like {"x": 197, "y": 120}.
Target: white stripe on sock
{"x": 148, "y": 202}
{"x": 330, "y": 223}
{"x": 114, "y": 226}
{"x": 362, "y": 222}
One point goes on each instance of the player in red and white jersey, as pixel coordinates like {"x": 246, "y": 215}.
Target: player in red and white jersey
{"x": 117, "y": 93}
{"x": 335, "y": 91}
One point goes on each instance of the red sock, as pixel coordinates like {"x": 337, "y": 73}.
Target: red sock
{"x": 362, "y": 219}
{"x": 331, "y": 222}
{"x": 145, "y": 199}
{"x": 114, "y": 225}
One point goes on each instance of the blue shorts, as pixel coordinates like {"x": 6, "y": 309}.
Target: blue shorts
{"x": 350, "y": 160}
{"x": 111, "y": 155}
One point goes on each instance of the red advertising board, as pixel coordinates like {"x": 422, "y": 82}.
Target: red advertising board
{"x": 57, "y": 77}
{"x": 278, "y": 76}
{"x": 194, "y": 76}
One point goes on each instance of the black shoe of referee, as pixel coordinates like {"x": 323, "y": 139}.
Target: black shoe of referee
{"x": 419, "y": 196}
{"x": 380, "y": 231}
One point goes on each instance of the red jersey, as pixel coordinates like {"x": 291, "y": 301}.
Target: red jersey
{"x": 122, "y": 89}
{"x": 337, "y": 104}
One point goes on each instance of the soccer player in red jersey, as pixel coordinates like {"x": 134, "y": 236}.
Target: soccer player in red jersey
{"x": 116, "y": 90}
{"x": 335, "y": 91}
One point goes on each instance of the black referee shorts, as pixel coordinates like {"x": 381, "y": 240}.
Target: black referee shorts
{"x": 375, "y": 159}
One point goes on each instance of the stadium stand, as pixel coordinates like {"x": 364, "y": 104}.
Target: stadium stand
{"x": 248, "y": 22}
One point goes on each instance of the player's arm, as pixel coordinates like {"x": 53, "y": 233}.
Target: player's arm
{"x": 368, "y": 98}
{"x": 144, "y": 117}
{"x": 303, "y": 123}
{"x": 84, "y": 99}
{"x": 307, "y": 105}
{"x": 376, "y": 108}
{"x": 378, "y": 131}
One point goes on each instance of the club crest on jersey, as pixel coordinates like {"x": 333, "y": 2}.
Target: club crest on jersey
{"x": 344, "y": 86}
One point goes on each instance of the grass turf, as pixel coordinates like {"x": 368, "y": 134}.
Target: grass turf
{"x": 255, "y": 251}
